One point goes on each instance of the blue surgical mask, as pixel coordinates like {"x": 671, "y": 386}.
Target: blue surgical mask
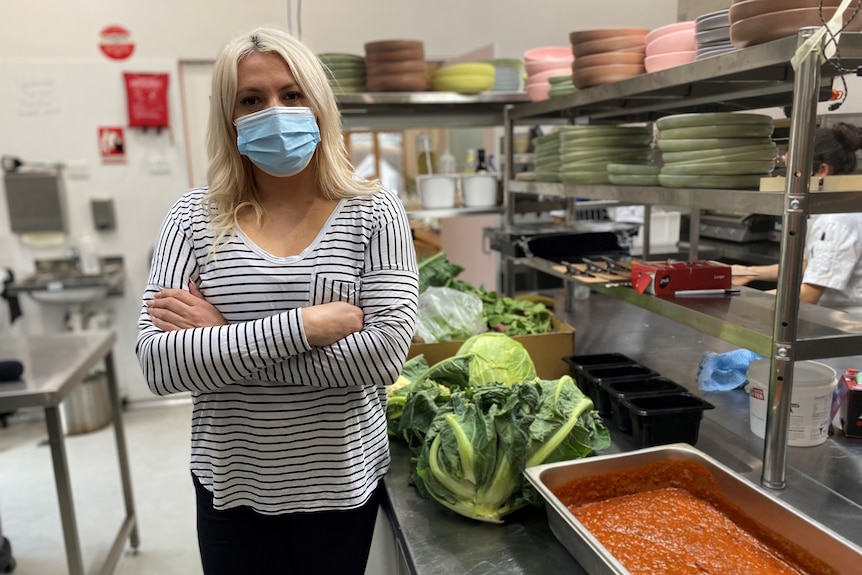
{"x": 279, "y": 140}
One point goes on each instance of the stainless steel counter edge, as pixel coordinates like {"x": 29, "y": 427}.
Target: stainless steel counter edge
{"x": 822, "y": 481}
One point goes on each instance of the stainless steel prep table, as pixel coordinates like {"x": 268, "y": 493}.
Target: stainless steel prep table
{"x": 53, "y": 365}
{"x": 822, "y": 481}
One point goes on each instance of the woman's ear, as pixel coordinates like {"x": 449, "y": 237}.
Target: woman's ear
{"x": 823, "y": 170}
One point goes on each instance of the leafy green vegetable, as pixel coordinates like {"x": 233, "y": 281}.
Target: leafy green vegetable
{"x": 477, "y": 445}
{"x": 437, "y": 271}
{"x": 499, "y": 358}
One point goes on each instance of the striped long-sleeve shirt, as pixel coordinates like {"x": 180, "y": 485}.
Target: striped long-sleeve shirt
{"x": 279, "y": 425}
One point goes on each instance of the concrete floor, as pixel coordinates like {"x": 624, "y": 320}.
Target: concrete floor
{"x": 158, "y": 441}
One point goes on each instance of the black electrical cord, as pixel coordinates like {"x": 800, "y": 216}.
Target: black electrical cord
{"x": 836, "y": 61}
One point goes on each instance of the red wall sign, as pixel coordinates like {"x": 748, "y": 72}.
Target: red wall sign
{"x": 112, "y": 145}
{"x": 115, "y": 42}
{"x": 147, "y": 99}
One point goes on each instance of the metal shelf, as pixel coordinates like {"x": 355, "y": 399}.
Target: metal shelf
{"x": 744, "y": 320}
{"x": 769, "y": 203}
{"x": 419, "y": 214}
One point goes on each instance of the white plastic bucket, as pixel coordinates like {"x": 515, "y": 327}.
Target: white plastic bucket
{"x": 810, "y": 401}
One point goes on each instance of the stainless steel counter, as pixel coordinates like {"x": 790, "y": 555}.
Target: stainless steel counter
{"x": 822, "y": 481}
{"x": 53, "y": 365}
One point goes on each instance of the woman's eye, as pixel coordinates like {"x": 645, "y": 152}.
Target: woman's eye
{"x": 293, "y": 96}
{"x": 249, "y": 101}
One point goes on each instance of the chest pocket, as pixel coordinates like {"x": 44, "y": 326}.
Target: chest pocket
{"x": 331, "y": 288}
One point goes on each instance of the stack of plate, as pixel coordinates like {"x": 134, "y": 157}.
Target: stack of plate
{"x": 561, "y": 85}
{"x": 546, "y": 158}
{"x": 715, "y": 150}
{"x": 669, "y": 46}
{"x": 586, "y": 151}
{"x": 345, "y": 72}
{"x": 712, "y": 32}
{"x": 507, "y": 74}
{"x": 543, "y": 63}
{"x": 633, "y": 174}
{"x": 758, "y": 21}
{"x": 466, "y": 78}
{"x": 396, "y": 66}
{"x": 607, "y": 55}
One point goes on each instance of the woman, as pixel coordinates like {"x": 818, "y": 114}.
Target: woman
{"x": 832, "y": 273}
{"x": 283, "y": 296}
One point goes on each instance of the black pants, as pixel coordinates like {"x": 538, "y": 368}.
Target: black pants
{"x": 240, "y": 541}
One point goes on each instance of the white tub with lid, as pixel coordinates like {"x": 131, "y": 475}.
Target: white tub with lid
{"x": 810, "y": 401}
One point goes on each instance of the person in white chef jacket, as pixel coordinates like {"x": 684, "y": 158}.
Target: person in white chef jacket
{"x": 832, "y": 274}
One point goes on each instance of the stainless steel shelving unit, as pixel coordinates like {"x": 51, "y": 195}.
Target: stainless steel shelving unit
{"x": 752, "y": 78}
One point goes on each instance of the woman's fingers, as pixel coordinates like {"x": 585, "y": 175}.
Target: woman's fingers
{"x": 173, "y": 309}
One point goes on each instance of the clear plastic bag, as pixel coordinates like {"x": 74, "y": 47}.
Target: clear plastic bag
{"x": 446, "y": 314}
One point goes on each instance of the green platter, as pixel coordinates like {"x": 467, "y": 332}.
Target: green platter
{"x": 714, "y": 182}
{"x": 633, "y": 179}
{"x": 591, "y": 143}
{"x": 634, "y": 169}
{"x": 539, "y": 177}
{"x": 585, "y": 178}
{"x": 710, "y": 118}
{"x": 591, "y": 131}
{"x": 540, "y": 140}
{"x": 732, "y": 168}
{"x": 709, "y": 144}
{"x": 758, "y": 152}
{"x": 716, "y": 131}
{"x": 584, "y": 167}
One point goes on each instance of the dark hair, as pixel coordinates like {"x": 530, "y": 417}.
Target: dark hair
{"x": 836, "y": 147}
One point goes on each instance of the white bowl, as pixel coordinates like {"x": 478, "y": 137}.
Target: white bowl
{"x": 479, "y": 190}
{"x": 436, "y": 191}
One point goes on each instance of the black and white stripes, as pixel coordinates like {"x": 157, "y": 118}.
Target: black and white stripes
{"x": 279, "y": 425}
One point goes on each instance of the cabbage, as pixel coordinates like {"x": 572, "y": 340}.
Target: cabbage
{"x": 497, "y": 359}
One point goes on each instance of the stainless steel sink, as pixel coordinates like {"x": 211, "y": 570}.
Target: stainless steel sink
{"x": 59, "y": 281}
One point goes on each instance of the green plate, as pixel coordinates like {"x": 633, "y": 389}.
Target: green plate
{"x": 553, "y": 137}
{"x": 751, "y": 182}
{"x": 709, "y": 144}
{"x": 590, "y": 166}
{"x": 725, "y": 131}
{"x": 727, "y": 168}
{"x": 554, "y": 177}
{"x": 634, "y": 169}
{"x": 709, "y": 119}
{"x": 618, "y": 155}
{"x": 758, "y": 152}
{"x": 345, "y": 59}
{"x": 584, "y": 178}
{"x": 628, "y": 141}
{"x": 633, "y": 179}
{"x": 592, "y": 131}
{"x": 547, "y": 148}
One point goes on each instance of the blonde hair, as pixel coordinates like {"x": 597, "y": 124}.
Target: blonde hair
{"x": 231, "y": 184}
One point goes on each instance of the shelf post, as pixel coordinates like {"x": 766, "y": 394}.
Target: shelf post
{"x": 800, "y": 157}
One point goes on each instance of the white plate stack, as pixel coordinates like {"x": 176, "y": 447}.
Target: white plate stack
{"x": 712, "y": 33}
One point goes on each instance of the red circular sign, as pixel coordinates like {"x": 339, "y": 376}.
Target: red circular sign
{"x": 115, "y": 42}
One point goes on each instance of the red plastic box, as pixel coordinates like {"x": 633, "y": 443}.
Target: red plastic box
{"x": 667, "y": 278}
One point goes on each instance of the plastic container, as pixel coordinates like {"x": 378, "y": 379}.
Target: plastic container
{"x": 810, "y": 401}
{"x": 437, "y": 191}
{"x": 663, "y": 419}
{"x": 579, "y": 363}
{"x": 594, "y": 377}
{"x": 617, "y": 390}
{"x": 479, "y": 190}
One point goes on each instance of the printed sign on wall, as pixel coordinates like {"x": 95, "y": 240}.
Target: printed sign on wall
{"x": 115, "y": 42}
{"x": 112, "y": 146}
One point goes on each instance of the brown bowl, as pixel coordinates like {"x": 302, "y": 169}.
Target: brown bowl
{"x": 388, "y": 45}
{"x": 405, "y": 82}
{"x": 743, "y": 9}
{"x": 579, "y": 36}
{"x": 608, "y": 58}
{"x": 395, "y": 55}
{"x": 781, "y": 24}
{"x": 597, "y": 75}
{"x": 615, "y": 44}
{"x": 396, "y": 67}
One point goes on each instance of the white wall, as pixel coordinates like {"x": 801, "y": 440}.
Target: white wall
{"x": 56, "y": 42}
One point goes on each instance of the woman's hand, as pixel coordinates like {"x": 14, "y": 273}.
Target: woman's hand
{"x": 174, "y": 309}
{"x": 324, "y": 324}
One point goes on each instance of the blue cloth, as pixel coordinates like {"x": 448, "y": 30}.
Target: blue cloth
{"x": 724, "y": 371}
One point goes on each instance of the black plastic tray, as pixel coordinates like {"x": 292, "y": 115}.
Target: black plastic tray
{"x": 664, "y": 419}
{"x": 617, "y": 390}
{"x": 592, "y": 379}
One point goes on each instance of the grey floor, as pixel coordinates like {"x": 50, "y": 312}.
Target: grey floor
{"x": 158, "y": 441}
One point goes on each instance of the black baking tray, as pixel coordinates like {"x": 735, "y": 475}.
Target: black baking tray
{"x": 630, "y": 388}
{"x": 562, "y": 242}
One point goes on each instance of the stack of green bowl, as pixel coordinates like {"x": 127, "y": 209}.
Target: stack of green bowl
{"x": 586, "y": 151}
{"x": 716, "y": 150}
{"x": 345, "y": 72}
{"x": 561, "y": 85}
{"x": 546, "y": 157}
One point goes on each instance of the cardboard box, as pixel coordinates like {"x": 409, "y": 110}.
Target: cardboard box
{"x": 667, "y": 278}
{"x": 547, "y": 350}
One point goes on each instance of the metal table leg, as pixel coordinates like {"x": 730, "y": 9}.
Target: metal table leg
{"x": 64, "y": 491}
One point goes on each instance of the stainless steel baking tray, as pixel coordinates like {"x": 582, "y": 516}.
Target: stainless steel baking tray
{"x": 770, "y": 512}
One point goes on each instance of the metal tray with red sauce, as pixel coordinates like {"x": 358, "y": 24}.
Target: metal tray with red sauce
{"x": 673, "y": 510}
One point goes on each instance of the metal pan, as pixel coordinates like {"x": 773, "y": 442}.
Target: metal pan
{"x": 768, "y": 511}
